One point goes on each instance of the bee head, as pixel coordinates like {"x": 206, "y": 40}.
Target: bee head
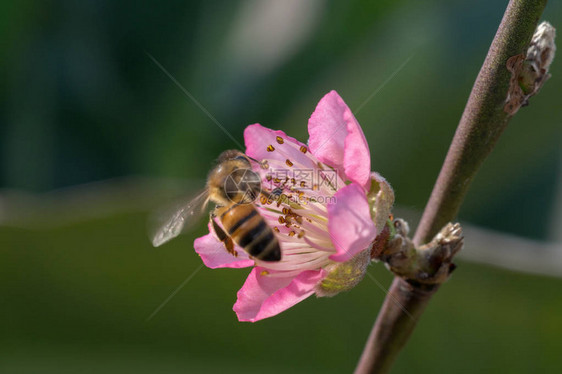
{"x": 234, "y": 157}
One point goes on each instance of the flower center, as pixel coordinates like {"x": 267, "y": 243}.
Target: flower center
{"x": 295, "y": 193}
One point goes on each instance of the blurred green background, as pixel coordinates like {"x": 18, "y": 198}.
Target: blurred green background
{"x": 94, "y": 136}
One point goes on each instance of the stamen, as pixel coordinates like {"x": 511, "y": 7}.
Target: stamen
{"x": 318, "y": 246}
{"x": 298, "y": 251}
{"x": 284, "y": 199}
{"x": 302, "y": 203}
{"x": 284, "y": 274}
{"x": 307, "y": 162}
{"x": 295, "y": 264}
{"x": 314, "y": 230}
{"x": 314, "y": 233}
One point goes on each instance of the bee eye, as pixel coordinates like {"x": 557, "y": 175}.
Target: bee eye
{"x": 244, "y": 159}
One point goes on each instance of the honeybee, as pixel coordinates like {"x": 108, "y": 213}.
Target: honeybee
{"x": 233, "y": 187}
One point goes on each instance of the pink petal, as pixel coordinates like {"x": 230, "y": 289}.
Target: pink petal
{"x": 263, "y": 296}
{"x": 336, "y": 138}
{"x": 257, "y": 139}
{"x": 327, "y": 130}
{"x": 356, "y": 158}
{"x": 214, "y": 254}
{"x": 349, "y": 223}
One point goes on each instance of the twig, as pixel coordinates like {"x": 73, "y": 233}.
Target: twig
{"x": 482, "y": 122}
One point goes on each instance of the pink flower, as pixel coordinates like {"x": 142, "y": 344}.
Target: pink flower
{"x": 330, "y": 208}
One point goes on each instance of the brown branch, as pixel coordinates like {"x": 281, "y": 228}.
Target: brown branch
{"x": 482, "y": 122}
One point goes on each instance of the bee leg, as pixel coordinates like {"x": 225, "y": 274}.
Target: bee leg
{"x": 223, "y": 237}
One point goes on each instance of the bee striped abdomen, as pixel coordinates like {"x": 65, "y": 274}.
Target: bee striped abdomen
{"x": 266, "y": 247}
{"x": 241, "y": 221}
{"x": 249, "y": 230}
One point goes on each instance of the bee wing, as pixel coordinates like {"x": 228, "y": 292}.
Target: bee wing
{"x": 178, "y": 219}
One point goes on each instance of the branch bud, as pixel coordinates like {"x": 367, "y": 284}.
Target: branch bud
{"x": 529, "y": 72}
{"x": 430, "y": 263}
